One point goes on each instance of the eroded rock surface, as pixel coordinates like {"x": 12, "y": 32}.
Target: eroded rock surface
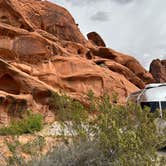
{"x": 32, "y": 15}
{"x": 158, "y": 70}
{"x": 42, "y": 51}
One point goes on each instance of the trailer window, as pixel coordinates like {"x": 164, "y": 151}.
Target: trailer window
{"x": 152, "y": 105}
{"x": 163, "y": 105}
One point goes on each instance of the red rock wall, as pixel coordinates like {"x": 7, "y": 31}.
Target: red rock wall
{"x": 42, "y": 50}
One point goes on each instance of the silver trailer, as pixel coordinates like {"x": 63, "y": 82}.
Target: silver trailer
{"x": 153, "y": 96}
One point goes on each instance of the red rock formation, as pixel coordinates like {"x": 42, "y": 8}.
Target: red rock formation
{"x": 32, "y": 15}
{"x": 125, "y": 65}
{"x": 96, "y": 39}
{"x": 158, "y": 70}
{"x": 43, "y": 51}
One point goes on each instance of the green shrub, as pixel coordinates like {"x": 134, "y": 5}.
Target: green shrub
{"x": 113, "y": 136}
{"x": 29, "y": 124}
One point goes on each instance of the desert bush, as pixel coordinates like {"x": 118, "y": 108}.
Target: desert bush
{"x": 114, "y": 135}
{"x": 80, "y": 154}
{"x": 30, "y": 123}
{"x": 69, "y": 110}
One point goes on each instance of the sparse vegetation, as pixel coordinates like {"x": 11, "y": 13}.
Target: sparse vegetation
{"x": 15, "y": 158}
{"x": 30, "y": 123}
{"x": 34, "y": 146}
{"x": 101, "y": 134}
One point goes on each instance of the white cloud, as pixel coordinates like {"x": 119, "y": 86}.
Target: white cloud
{"x": 136, "y": 27}
{"x": 100, "y": 16}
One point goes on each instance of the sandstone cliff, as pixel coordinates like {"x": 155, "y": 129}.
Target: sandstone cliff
{"x": 42, "y": 50}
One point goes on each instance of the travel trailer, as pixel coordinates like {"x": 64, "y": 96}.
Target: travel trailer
{"x": 153, "y": 96}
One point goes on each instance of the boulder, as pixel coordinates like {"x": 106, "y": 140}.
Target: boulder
{"x": 96, "y": 39}
{"x": 158, "y": 70}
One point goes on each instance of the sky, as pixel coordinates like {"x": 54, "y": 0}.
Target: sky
{"x": 134, "y": 27}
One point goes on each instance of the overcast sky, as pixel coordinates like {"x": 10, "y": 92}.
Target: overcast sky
{"x": 135, "y": 27}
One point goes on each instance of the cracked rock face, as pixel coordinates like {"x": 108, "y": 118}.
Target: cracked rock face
{"x": 42, "y": 51}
